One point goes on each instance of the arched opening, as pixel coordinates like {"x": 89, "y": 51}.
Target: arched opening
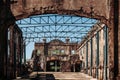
{"x": 63, "y": 38}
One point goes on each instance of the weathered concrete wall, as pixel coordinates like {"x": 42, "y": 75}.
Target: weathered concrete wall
{"x": 25, "y": 8}
{"x": 100, "y": 50}
{"x": 114, "y": 47}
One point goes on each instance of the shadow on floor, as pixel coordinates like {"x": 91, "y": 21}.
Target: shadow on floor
{"x": 42, "y": 77}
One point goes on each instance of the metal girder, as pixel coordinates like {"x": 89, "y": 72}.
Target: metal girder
{"x": 52, "y": 26}
{"x": 52, "y": 19}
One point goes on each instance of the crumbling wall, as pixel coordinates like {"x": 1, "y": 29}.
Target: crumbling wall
{"x": 25, "y": 8}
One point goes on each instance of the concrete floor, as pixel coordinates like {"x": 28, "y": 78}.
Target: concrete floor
{"x": 56, "y": 76}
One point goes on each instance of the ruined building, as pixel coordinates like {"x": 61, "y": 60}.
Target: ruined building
{"x": 99, "y": 51}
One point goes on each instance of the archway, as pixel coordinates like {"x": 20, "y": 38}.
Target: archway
{"x": 110, "y": 20}
{"x": 55, "y": 24}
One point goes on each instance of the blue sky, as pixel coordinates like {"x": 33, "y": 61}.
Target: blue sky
{"x": 29, "y": 49}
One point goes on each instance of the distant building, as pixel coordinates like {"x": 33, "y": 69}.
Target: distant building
{"x": 54, "y": 51}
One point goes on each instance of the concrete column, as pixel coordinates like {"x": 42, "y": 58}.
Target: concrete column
{"x": 45, "y": 52}
{"x": 24, "y": 53}
{"x": 97, "y": 55}
{"x": 15, "y": 53}
{"x": 117, "y": 25}
{"x": 105, "y": 53}
{"x": 67, "y": 46}
{"x": 6, "y": 19}
{"x": 119, "y": 45}
{"x": 91, "y": 56}
{"x": 3, "y": 52}
{"x": 20, "y": 55}
{"x": 4, "y": 24}
{"x": 3, "y": 43}
{"x": 114, "y": 41}
{"x": 20, "y": 46}
{"x": 86, "y": 57}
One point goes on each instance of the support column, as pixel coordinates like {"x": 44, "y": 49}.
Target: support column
{"x": 91, "y": 57}
{"x": 67, "y": 46}
{"x": 97, "y": 55}
{"x": 24, "y": 53}
{"x": 20, "y": 53}
{"x": 105, "y": 52}
{"x": 118, "y": 19}
{"x": 116, "y": 26}
{"x": 20, "y": 65}
{"x": 114, "y": 43}
{"x": 6, "y": 19}
{"x": 11, "y": 52}
{"x": 15, "y": 58}
{"x": 45, "y": 52}
{"x": 3, "y": 41}
{"x": 86, "y": 57}
{"x": 3, "y": 52}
